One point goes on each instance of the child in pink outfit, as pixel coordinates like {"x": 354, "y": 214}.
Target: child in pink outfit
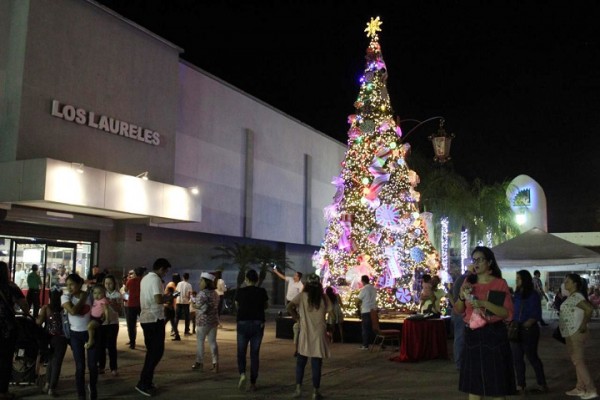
{"x": 99, "y": 313}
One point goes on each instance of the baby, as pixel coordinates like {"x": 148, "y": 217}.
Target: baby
{"x": 99, "y": 313}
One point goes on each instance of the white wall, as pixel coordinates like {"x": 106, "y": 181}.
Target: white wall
{"x": 83, "y": 55}
{"x": 211, "y": 151}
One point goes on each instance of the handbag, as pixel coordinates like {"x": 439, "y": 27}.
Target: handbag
{"x": 477, "y": 319}
{"x": 558, "y": 336}
{"x": 514, "y": 328}
{"x": 514, "y": 331}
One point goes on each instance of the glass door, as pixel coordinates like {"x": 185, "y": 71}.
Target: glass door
{"x": 55, "y": 260}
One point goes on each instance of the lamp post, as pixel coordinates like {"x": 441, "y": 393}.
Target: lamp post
{"x": 440, "y": 140}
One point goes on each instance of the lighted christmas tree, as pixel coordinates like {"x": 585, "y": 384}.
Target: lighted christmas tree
{"x": 374, "y": 225}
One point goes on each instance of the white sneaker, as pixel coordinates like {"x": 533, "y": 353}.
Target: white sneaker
{"x": 575, "y": 392}
{"x": 242, "y": 382}
{"x": 589, "y": 395}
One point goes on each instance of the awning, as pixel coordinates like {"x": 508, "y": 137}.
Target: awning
{"x": 67, "y": 187}
{"x": 536, "y": 248}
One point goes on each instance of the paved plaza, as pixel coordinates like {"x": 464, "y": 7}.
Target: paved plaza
{"x": 349, "y": 374}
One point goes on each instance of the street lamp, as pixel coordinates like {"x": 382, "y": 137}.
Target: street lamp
{"x": 440, "y": 140}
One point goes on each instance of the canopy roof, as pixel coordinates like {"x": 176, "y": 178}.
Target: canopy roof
{"x": 536, "y": 248}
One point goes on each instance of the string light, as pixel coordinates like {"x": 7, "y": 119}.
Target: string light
{"x": 374, "y": 225}
{"x": 464, "y": 247}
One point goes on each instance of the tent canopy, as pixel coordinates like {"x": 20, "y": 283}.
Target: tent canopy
{"x": 536, "y": 248}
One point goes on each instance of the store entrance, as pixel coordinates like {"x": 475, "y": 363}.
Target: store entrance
{"x": 55, "y": 261}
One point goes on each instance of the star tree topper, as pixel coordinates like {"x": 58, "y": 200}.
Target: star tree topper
{"x": 373, "y": 27}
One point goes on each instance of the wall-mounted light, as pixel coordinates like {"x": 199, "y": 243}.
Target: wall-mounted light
{"x": 143, "y": 175}
{"x": 77, "y": 167}
{"x": 194, "y": 190}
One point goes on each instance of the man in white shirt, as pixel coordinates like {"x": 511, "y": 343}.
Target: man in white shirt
{"x": 294, "y": 284}
{"x": 152, "y": 319}
{"x": 367, "y": 301}
{"x": 294, "y": 287}
{"x": 183, "y": 304}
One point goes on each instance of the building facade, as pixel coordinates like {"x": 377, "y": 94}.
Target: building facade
{"x": 92, "y": 104}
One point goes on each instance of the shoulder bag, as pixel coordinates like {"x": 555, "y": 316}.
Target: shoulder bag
{"x": 66, "y": 325}
{"x": 514, "y": 327}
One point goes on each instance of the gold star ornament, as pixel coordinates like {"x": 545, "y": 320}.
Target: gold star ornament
{"x": 373, "y": 27}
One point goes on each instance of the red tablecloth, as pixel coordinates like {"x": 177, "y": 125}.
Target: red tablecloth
{"x": 44, "y": 296}
{"x": 423, "y": 340}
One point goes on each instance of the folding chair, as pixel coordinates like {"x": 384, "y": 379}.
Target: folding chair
{"x": 382, "y": 335}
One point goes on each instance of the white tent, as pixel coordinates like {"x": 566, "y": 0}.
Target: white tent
{"x": 538, "y": 249}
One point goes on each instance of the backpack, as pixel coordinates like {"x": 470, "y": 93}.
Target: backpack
{"x": 54, "y": 323}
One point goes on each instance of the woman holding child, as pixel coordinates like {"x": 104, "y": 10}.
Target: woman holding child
{"x": 77, "y": 304}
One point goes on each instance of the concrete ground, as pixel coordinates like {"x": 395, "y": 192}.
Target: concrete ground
{"x": 349, "y": 374}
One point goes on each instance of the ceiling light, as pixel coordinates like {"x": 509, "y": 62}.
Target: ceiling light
{"x": 194, "y": 190}
{"x": 143, "y": 175}
{"x": 77, "y": 167}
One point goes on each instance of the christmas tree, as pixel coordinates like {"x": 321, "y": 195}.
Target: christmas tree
{"x": 374, "y": 224}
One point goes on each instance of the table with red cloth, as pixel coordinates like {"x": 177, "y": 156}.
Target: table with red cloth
{"x": 423, "y": 339}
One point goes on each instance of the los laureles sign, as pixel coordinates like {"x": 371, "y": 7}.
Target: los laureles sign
{"x": 102, "y": 122}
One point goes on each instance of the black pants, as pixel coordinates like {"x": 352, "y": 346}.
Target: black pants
{"x": 107, "y": 342}
{"x": 183, "y": 311}
{"x": 154, "y": 339}
{"x": 33, "y": 299}
{"x": 131, "y": 315}
{"x": 7, "y": 352}
{"x": 58, "y": 348}
{"x": 170, "y": 318}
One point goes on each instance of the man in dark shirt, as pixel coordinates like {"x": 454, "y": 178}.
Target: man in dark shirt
{"x": 34, "y": 284}
{"x": 251, "y": 302}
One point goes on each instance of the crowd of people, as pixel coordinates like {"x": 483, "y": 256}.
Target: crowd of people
{"x": 492, "y": 363}
{"x": 84, "y": 315}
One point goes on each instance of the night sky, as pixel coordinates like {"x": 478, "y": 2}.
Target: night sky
{"x": 517, "y": 81}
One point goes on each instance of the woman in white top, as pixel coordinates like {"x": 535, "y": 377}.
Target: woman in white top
{"x": 575, "y": 313}
{"x": 109, "y": 330}
{"x": 77, "y": 304}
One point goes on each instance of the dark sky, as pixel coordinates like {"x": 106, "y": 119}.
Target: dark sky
{"x": 517, "y": 81}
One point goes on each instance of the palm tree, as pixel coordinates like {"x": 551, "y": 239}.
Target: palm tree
{"x": 477, "y": 207}
{"x": 493, "y": 212}
{"x": 242, "y": 255}
{"x": 267, "y": 257}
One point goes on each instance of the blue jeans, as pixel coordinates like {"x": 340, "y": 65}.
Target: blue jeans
{"x": 154, "y": 339}
{"x": 458, "y": 325}
{"x": 249, "y": 332}
{"x": 528, "y": 346}
{"x": 78, "y": 340}
{"x": 315, "y": 364}
{"x": 367, "y": 329}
